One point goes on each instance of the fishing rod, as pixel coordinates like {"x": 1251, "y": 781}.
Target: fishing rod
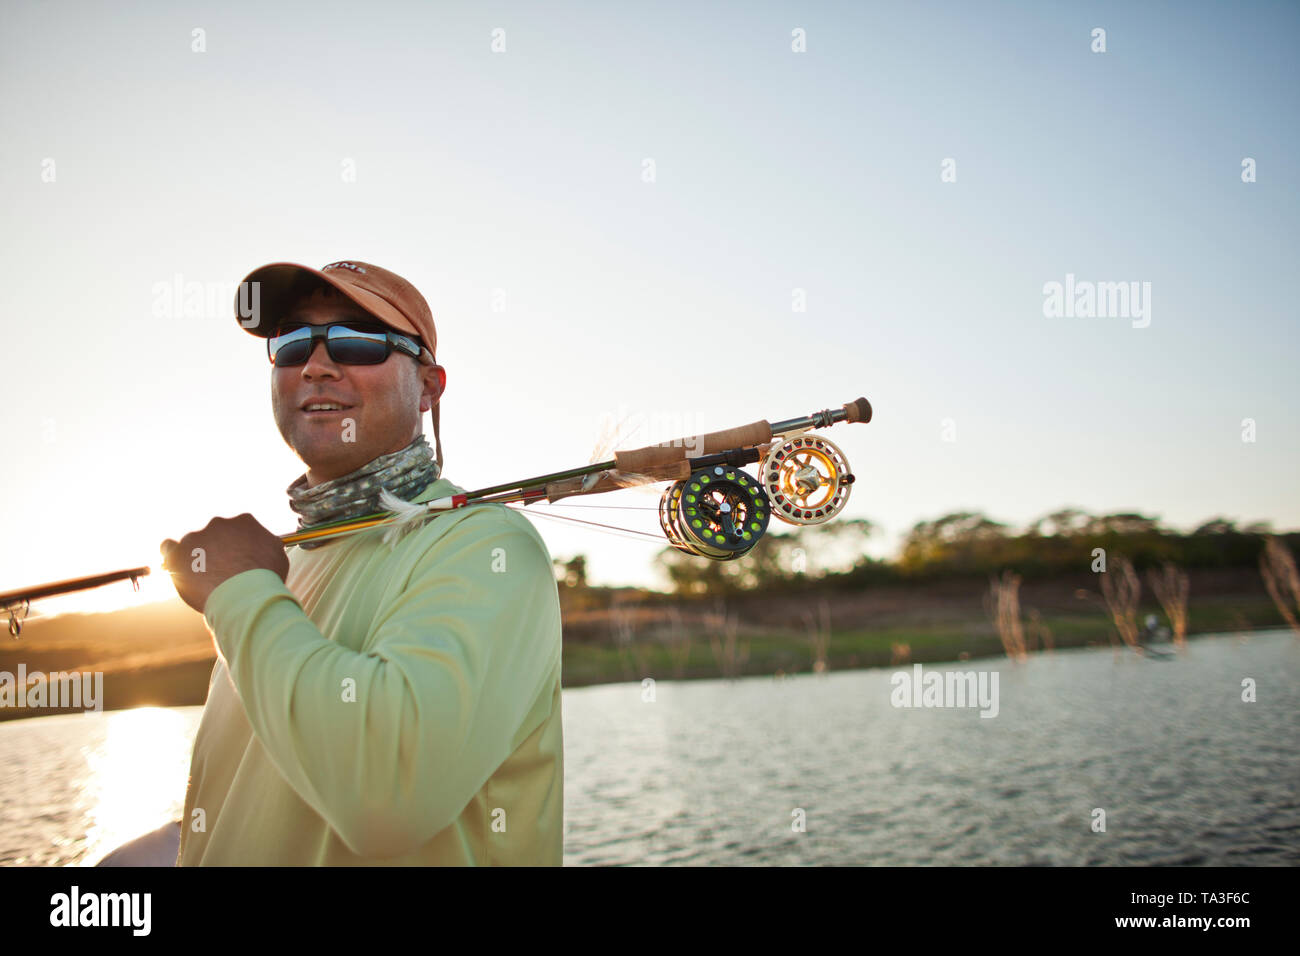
{"x": 12, "y": 601}
{"x": 712, "y": 508}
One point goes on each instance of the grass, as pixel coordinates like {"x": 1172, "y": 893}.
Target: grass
{"x": 770, "y": 653}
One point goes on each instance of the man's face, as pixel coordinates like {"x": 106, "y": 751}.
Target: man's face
{"x": 383, "y": 403}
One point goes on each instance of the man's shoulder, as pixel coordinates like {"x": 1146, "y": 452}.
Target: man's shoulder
{"x": 485, "y": 521}
{"x": 491, "y": 518}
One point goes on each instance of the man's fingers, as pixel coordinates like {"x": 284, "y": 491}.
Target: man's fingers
{"x": 165, "y": 549}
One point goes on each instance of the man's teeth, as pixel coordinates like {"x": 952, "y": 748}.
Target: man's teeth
{"x": 328, "y": 406}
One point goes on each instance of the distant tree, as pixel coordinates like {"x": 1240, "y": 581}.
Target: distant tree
{"x": 691, "y": 574}
{"x": 780, "y": 559}
{"x": 847, "y": 528}
{"x": 954, "y": 542}
{"x": 835, "y": 546}
{"x": 1062, "y": 523}
{"x": 1123, "y": 523}
{"x": 575, "y": 572}
{"x": 1217, "y": 526}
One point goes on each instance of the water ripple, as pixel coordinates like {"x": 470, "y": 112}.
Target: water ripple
{"x": 816, "y": 770}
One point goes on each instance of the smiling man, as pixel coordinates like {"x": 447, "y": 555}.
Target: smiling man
{"x": 371, "y": 703}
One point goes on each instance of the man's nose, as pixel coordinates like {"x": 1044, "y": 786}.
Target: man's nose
{"x": 319, "y": 362}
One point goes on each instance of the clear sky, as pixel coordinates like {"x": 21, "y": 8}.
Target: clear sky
{"x": 510, "y": 186}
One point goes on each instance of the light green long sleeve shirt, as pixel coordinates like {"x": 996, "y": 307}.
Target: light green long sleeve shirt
{"x": 395, "y": 707}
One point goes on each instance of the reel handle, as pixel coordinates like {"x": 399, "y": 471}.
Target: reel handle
{"x": 642, "y": 460}
{"x": 645, "y": 460}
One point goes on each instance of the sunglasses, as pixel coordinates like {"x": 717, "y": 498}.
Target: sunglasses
{"x": 348, "y": 343}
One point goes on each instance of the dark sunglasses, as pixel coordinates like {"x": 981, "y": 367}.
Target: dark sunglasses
{"x": 348, "y": 343}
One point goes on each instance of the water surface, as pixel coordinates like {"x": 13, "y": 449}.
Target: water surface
{"x": 724, "y": 772}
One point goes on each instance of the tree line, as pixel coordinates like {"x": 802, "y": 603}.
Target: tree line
{"x": 962, "y": 544}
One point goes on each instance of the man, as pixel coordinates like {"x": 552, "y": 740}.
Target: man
{"x": 371, "y": 703}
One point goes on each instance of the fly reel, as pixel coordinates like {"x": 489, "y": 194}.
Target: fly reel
{"x": 718, "y": 513}
{"x": 807, "y": 479}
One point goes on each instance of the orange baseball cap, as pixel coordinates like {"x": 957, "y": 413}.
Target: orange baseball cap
{"x": 265, "y": 295}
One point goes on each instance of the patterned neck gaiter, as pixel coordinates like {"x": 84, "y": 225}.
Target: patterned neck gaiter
{"x": 405, "y": 473}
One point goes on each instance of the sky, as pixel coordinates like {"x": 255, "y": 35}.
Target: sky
{"x": 678, "y": 217}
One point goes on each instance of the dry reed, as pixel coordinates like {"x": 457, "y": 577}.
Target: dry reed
{"x": 624, "y": 618}
{"x": 1039, "y": 633}
{"x": 1003, "y": 605}
{"x": 819, "y": 635}
{"x": 729, "y": 653}
{"x": 1122, "y": 590}
{"x": 1171, "y": 586}
{"x": 1277, "y": 568}
{"x": 678, "y": 641}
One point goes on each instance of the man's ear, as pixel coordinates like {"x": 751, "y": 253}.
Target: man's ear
{"x": 434, "y": 380}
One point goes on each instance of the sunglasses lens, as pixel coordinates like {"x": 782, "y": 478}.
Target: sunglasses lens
{"x": 355, "y": 347}
{"x": 290, "y": 348}
{"x": 347, "y": 346}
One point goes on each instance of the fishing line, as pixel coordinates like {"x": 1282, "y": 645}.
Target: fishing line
{"x": 596, "y": 524}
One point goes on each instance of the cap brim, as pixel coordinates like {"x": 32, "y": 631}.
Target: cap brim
{"x": 265, "y": 295}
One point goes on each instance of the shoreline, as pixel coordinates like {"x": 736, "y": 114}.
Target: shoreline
{"x": 185, "y": 683}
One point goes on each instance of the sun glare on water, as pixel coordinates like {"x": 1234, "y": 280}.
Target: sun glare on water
{"x": 135, "y": 780}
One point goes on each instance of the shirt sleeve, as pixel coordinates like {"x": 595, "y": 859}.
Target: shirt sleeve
{"x": 440, "y": 692}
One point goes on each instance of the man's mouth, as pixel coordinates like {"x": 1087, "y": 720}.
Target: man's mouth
{"x": 324, "y": 409}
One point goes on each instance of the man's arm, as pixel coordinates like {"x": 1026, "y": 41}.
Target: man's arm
{"x": 439, "y": 695}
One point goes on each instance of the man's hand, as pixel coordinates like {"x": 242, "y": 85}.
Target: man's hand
{"x": 227, "y": 546}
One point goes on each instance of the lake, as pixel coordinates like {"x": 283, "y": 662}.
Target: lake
{"x": 817, "y": 769}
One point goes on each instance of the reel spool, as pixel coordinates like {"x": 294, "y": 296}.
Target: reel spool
{"x": 807, "y": 479}
{"x": 718, "y": 513}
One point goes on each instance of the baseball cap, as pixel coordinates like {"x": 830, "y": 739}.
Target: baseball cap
{"x": 265, "y": 295}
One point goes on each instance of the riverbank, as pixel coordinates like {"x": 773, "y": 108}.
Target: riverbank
{"x": 162, "y": 655}
{"x": 781, "y": 654}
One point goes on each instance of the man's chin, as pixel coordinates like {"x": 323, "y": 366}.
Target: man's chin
{"x": 325, "y": 463}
